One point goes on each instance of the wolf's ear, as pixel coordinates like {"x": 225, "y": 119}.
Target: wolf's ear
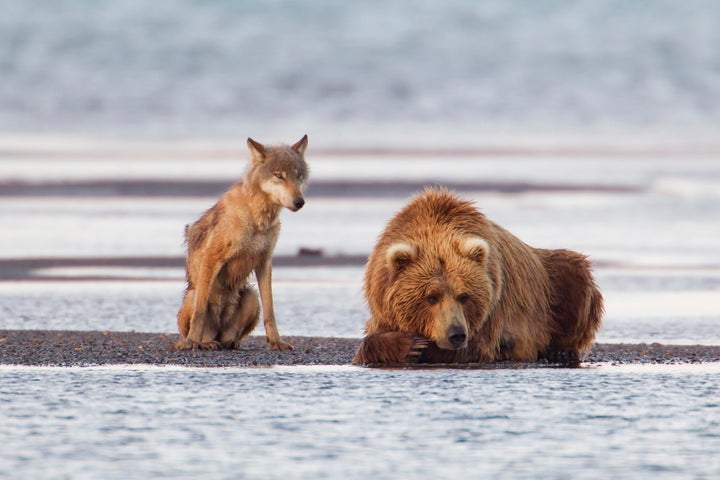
{"x": 399, "y": 255}
{"x": 475, "y": 248}
{"x": 257, "y": 150}
{"x": 301, "y": 145}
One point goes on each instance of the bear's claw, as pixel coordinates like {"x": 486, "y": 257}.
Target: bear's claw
{"x": 390, "y": 348}
{"x": 416, "y": 351}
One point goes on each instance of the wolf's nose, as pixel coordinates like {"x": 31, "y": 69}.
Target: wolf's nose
{"x": 457, "y": 336}
{"x": 299, "y": 202}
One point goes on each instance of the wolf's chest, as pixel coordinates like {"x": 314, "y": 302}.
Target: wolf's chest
{"x": 255, "y": 243}
{"x": 245, "y": 255}
{"x": 258, "y": 244}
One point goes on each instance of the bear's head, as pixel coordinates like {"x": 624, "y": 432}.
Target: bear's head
{"x": 441, "y": 289}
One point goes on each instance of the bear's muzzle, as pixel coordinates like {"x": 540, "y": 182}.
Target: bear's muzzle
{"x": 451, "y": 331}
{"x": 457, "y": 336}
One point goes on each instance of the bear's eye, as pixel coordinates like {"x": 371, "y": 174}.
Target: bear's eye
{"x": 463, "y": 298}
{"x": 432, "y": 299}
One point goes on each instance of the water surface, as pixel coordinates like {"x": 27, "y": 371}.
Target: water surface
{"x": 348, "y": 422}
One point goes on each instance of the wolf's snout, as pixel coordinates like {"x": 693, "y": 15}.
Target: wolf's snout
{"x": 457, "y": 336}
{"x": 299, "y": 202}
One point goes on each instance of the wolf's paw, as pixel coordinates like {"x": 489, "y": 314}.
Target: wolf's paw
{"x": 279, "y": 345}
{"x": 390, "y": 348}
{"x": 230, "y": 344}
{"x": 209, "y": 345}
{"x": 186, "y": 344}
{"x": 183, "y": 344}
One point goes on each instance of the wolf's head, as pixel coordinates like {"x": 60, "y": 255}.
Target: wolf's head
{"x": 280, "y": 171}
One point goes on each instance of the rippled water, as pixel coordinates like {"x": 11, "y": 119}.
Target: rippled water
{"x": 346, "y": 422}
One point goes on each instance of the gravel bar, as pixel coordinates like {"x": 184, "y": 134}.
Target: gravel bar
{"x": 77, "y": 348}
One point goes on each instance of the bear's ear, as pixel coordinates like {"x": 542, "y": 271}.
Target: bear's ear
{"x": 399, "y": 256}
{"x": 475, "y": 248}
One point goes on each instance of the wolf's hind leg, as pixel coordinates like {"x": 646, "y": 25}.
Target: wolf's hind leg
{"x": 185, "y": 313}
{"x": 241, "y": 318}
{"x": 200, "y": 335}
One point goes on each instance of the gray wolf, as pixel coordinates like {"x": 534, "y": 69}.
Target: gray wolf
{"x": 231, "y": 240}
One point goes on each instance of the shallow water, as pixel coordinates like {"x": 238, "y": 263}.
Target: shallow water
{"x": 672, "y": 306}
{"x": 666, "y": 218}
{"x": 656, "y": 258}
{"x": 654, "y": 247}
{"x": 347, "y": 422}
{"x": 660, "y": 285}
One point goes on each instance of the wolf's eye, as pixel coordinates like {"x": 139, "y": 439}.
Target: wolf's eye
{"x": 463, "y": 298}
{"x": 278, "y": 175}
{"x": 432, "y": 299}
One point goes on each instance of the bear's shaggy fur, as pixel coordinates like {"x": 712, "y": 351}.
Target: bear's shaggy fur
{"x": 446, "y": 285}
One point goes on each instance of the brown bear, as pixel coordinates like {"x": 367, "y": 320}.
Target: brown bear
{"x": 446, "y": 285}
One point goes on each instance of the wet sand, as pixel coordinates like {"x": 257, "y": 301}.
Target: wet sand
{"x": 14, "y": 269}
{"x": 337, "y": 188}
{"x": 75, "y": 348}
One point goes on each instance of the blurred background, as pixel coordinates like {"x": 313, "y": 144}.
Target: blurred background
{"x": 590, "y": 125}
{"x": 192, "y": 69}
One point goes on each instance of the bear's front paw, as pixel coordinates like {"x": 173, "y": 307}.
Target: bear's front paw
{"x": 390, "y": 348}
{"x": 566, "y": 358}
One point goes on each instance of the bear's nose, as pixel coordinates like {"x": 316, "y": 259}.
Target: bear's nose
{"x": 457, "y": 336}
{"x": 299, "y": 202}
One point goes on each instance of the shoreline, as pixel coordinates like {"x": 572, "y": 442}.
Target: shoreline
{"x": 147, "y": 188}
{"x": 65, "y": 348}
{"x": 24, "y": 269}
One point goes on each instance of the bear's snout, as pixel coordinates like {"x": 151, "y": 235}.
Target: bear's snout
{"x": 457, "y": 336}
{"x": 451, "y": 329}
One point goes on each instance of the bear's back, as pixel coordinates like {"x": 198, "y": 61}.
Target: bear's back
{"x": 436, "y": 210}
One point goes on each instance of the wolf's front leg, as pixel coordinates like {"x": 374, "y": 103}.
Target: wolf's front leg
{"x": 263, "y": 273}
{"x": 390, "y": 348}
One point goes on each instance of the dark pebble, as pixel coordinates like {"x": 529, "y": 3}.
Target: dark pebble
{"x": 73, "y": 348}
